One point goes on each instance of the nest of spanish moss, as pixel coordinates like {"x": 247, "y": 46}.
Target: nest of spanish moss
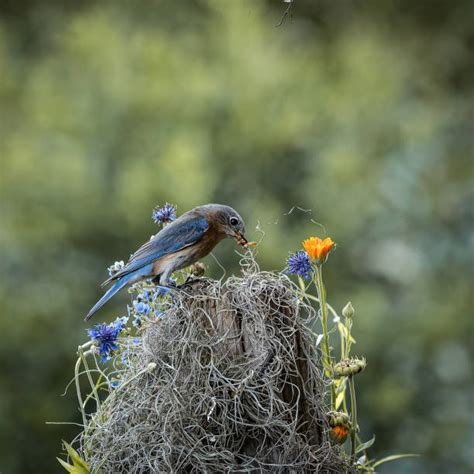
{"x": 237, "y": 387}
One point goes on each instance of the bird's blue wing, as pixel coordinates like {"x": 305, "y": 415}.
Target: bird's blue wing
{"x": 172, "y": 238}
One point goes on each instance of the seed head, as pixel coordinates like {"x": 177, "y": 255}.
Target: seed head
{"x": 348, "y": 367}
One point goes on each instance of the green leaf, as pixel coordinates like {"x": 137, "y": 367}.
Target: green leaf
{"x": 394, "y": 457}
{"x": 341, "y": 384}
{"x": 70, "y": 450}
{"x": 79, "y": 466}
{"x": 343, "y": 330}
{"x": 366, "y": 445}
{"x": 68, "y": 467}
{"x": 339, "y": 399}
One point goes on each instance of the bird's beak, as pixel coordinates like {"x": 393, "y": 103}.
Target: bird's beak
{"x": 241, "y": 240}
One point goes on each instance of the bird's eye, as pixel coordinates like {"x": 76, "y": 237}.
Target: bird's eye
{"x": 233, "y": 221}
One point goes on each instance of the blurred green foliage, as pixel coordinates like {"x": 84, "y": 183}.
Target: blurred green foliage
{"x": 361, "y": 111}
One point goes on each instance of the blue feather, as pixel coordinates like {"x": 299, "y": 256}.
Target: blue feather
{"x": 185, "y": 231}
{"x": 118, "y": 285}
{"x": 172, "y": 238}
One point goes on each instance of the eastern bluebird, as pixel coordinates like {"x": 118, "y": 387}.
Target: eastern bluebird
{"x": 189, "y": 238}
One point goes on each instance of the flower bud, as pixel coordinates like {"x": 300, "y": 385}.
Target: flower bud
{"x": 340, "y": 426}
{"x": 116, "y": 267}
{"x": 338, "y": 418}
{"x": 348, "y": 310}
{"x": 349, "y": 367}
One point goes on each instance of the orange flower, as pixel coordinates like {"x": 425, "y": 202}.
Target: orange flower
{"x": 340, "y": 426}
{"x": 339, "y": 433}
{"x": 318, "y": 249}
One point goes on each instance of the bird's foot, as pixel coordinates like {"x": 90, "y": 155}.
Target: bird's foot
{"x": 190, "y": 281}
{"x": 169, "y": 285}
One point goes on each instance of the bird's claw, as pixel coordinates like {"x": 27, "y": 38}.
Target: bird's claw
{"x": 190, "y": 280}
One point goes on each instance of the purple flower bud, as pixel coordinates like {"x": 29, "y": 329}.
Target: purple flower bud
{"x": 164, "y": 215}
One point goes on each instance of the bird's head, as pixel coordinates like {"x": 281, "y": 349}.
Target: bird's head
{"x": 229, "y": 222}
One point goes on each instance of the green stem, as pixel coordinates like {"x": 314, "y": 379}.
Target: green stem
{"x": 99, "y": 385}
{"x": 348, "y": 341}
{"x": 82, "y": 355}
{"x": 78, "y": 390}
{"x": 82, "y": 404}
{"x": 331, "y": 309}
{"x": 302, "y": 285}
{"x": 354, "y": 416}
{"x": 324, "y": 313}
{"x": 343, "y": 346}
{"x": 344, "y": 404}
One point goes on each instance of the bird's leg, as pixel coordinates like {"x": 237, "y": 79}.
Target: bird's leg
{"x": 160, "y": 281}
{"x": 189, "y": 282}
{"x": 165, "y": 278}
{"x": 190, "y": 279}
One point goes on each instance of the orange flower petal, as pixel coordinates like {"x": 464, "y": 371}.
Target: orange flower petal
{"x": 339, "y": 433}
{"x": 316, "y": 248}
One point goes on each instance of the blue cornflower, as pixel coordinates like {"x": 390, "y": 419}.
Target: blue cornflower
{"x": 106, "y": 335}
{"x": 165, "y": 214}
{"x": 137, "y": 321}
{"x": 141, "y": 307}
{"x": 300, "y": 264}
{"x": 120, "y": 323}
{"x": 160, "y": 290}
{"x": 144, "y": 295}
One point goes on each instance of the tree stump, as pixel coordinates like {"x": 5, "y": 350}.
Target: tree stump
{"x": 237, "y": 387}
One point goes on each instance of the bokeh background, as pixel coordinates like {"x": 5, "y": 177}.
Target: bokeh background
{"x": 360, "y": 110}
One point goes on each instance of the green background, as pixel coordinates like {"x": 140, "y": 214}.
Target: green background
{"x": 358, "y": 110}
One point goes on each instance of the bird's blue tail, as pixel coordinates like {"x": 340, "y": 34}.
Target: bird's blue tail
{"x": 118, "y": 285}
